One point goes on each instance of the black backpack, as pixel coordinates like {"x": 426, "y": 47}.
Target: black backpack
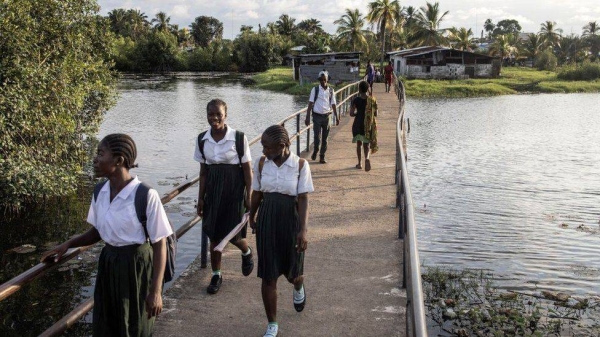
{"x": 239, "y": 144}
{"x": 141, "y": 203}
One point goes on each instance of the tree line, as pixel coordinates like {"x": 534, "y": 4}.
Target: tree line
{"x": 144, "y": 44}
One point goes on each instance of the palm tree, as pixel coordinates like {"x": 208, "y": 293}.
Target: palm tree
{"x": 350, "y": 29}
{"x": 161, "y": 22}
{"x": 591, "y": 34}
{"x": 550, "y": 34}
{"x": 400, "y": 36}
{"x": 502, "y": 46}
{"x": 384, "y": 13}
{"x": 532, "y": 46}
{"x": 310, "y": 26}
{"x": 138, "y": 22}
{"x": 489, "y": 27}
{"x": 572, "y": 48}
{"x": 462, "y": 38}
{"x": 285, "y": 25}
{"x": 427, "y": 31}
{"x": 118, "y": 21}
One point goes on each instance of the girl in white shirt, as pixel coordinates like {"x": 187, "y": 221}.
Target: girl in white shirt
{"x": 224, "y": 176}
{"x": 280, "y": 186}
{"x": 127, "y": 294}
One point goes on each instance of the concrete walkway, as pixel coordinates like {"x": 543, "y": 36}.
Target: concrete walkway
{"x": 353, "y": 264}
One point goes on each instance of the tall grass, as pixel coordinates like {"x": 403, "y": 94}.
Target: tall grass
{"x": 587, "y": 71}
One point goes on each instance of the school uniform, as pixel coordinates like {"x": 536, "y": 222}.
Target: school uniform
{"x": 277, "y": 224}
{"x": 125, "y": 264}
{"x": 225, "y": 185}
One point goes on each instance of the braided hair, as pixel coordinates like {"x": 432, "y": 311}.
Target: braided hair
{"x": 363, "y": 86}
{"x": 217, "y": 103}
{"x": 278, "y": 134}
{"x": 122, "y": 145}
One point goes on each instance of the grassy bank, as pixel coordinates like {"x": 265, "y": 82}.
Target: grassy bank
{"x": 514, "y": 80}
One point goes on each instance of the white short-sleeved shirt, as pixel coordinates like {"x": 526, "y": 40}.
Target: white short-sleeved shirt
{"x": 117, "y": 221}
{"x": 284, "y": 179}
{"x": 223, "y": 151}
{"x": 322, "y": 105}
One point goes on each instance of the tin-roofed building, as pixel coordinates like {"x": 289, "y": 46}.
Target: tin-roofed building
{"x": 441, "y": 62}
{"x": 342, "y": 67}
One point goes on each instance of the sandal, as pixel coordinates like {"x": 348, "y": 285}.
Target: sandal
{"x": 359, "y": 166}
{"x": 367, "y": 165}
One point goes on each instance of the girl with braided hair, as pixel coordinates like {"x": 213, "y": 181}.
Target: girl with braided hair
{"x": 127, "y": 294}
{"x": 280, "y": 187}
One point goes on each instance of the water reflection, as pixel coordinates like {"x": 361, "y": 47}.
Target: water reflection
{"x": 495, "y": 179}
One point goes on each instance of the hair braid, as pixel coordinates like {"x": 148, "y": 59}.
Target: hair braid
{"x": 121, "y": 144}
{"x": 278, "y": 133}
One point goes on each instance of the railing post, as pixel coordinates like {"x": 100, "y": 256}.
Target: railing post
{"x": 298, "y": 133}
{"x": 203, "y": 250}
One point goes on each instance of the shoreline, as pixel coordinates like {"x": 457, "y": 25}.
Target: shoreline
{"x": 513, "y": 81}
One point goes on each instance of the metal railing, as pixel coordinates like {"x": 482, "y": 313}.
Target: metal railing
{"x": 407, "y": 231}
{"x": 15, "y": 284}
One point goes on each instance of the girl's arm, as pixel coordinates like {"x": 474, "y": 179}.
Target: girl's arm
{"x": 352, "y": 109}
{"x": 88, "y": 238}
{"x": 159, "y": 260}
{"x": 256, "y": 198}
{"x": 301, "y": 242}
{"x": 247, "y": 168}
{"x": 201, "y": 190}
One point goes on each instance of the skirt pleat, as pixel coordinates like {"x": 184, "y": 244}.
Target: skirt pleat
{"x": 276, "y": 232}
{"x": 122, "y": 284}
{"x": 223, "y": 202}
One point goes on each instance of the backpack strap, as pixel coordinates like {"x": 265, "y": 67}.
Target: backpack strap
{"x": 201, "y": 144}
{"x": 239, "y": 144}
{"x": 97, "y": 189}
{"x": 316, "y": 95}
{"x": 141, "y": 204}
{"x": 300, "y": 166}
{"x": 261, "y": 163}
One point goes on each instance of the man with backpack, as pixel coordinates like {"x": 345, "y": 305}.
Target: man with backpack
{"x": 321, "y": 102}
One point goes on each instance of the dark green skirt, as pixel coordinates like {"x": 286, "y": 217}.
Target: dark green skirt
{"x": 223, "y": 202}
{"x": 122, "y": 284}
{"x": 276, "y": 232}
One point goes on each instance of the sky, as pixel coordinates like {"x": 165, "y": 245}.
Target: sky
{"x": 570, "y": 15}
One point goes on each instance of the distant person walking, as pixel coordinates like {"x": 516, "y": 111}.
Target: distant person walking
{"x": 280, "y": 197}
{"x": 364, "y": 128}
{"x": 225, "y": 173}
{"x": 370, "y": 73}
{"x": 131, "y": 267}
{"x": 387, "y": 72}
{"x": 320, "y": 103}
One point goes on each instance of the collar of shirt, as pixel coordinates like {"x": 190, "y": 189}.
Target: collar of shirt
{"x": 291, "y": 162}
{"x": 229, "y": 135}
{"x": 125, "y": 192}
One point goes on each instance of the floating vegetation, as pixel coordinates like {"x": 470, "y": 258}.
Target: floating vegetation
{"x": 24, "y": 249}
{"x": 466, "y": 303}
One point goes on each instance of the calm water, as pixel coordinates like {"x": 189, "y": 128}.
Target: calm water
{"x": 495, "y": 179}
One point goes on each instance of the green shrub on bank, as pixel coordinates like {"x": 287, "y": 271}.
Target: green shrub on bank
{"x": 54, "y": 89}
{"x": 546, "y": 61}
{"x": 587, "y": 71}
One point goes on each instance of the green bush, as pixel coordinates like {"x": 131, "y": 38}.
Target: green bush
{"x": 587, "y": 71}
{"x": 546, "y": 61}
{"x": 54, "y": 89}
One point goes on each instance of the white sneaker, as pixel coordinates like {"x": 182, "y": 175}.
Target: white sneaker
{"x": 271, "y": 330}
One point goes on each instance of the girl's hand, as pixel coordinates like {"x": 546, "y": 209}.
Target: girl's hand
{"x": 301, "y": 242}
{"x": 153, "y": 304}
{"x": 252, "y": 223}
{"x": 247, "y": 203}
{"x": 55, "y": 254}
{"x": 200, "y": 208}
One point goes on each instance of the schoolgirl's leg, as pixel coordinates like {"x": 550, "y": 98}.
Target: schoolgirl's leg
{"x": 269, "y": 296}
{"x": 367, "y": 150}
